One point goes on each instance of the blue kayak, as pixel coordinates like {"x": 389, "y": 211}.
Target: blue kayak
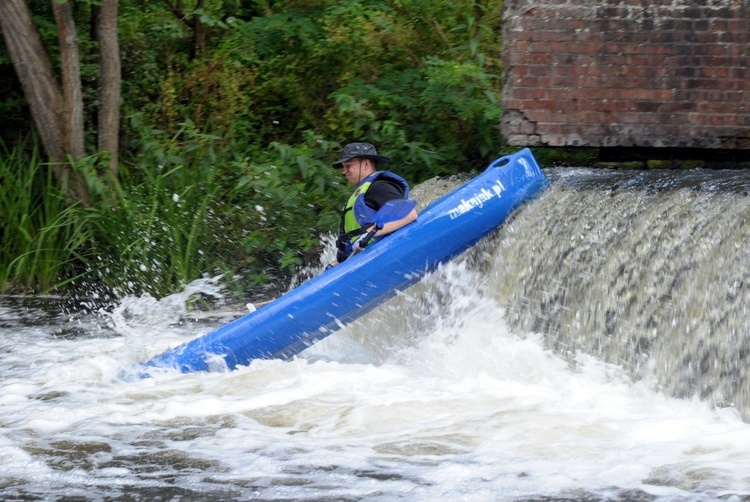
{"x": 288, "y": 325}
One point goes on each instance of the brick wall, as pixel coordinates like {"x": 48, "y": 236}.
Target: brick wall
{"x": 622, "y": 73}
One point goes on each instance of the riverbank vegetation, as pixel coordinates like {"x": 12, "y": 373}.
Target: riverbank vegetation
{"x": 231, "y": 115}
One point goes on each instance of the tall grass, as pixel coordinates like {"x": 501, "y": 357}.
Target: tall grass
{"x": 157, "y": 237}
{"x": 43, "y": 237}
{"x": 157, "y": 232}
{"x": 183, "y": 208}
{"x": 165, "y": 227}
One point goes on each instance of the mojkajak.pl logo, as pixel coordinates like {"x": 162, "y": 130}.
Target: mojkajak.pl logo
{"x": 477, "y": 200}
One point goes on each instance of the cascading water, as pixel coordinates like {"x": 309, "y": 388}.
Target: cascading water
{"x": 649, "y": 270}
{"x": 486, "y": 381}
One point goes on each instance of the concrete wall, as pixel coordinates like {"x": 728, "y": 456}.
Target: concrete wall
{"x": 622, "y": 73}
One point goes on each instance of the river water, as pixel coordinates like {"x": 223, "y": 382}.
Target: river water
{"x": 592, "y": 349}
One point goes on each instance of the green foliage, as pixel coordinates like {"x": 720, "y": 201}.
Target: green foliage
{"x": 414, "y": 77}
{"x": 227, "y": 153}
{"x": 44, "y": 238}
{"x": 152, "y": 44}
{"x": 162, "y": 78}
{"x": 165, "y": 227}
{"x": 287, "y": 199}
{"x": 186, "y": 209}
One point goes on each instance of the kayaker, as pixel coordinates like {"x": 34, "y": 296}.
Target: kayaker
{"x": 359, "y": 163}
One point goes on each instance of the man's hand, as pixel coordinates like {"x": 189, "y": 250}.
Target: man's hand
{"x": 370, "y": 233}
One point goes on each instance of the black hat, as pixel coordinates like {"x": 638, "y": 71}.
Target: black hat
{"x": 359, "y": 150}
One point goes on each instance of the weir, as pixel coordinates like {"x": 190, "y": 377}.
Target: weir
{"x": 649, "y": 270}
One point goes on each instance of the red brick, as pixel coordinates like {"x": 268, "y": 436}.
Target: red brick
{"x": 677, "y": 78}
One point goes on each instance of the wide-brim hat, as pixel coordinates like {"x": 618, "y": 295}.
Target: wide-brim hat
{"x": 359, "y": 151}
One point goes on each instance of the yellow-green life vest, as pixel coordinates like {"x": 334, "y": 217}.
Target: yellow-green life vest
{"x": 352, "y": 227}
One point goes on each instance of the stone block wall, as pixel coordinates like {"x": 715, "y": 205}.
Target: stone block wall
{"x": 627, "y": 73}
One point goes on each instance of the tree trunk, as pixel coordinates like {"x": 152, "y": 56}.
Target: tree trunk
{"x": 194, "y": 22}
{"x": 72, "y": 121}
{"x": 110, "y": 84}
{"x": 54, "y": 113}
{"x": 199, "y": 31}
{"x": 71, "y": 79}
{"x": 37, "y": 79}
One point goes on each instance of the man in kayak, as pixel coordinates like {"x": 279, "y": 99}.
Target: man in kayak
{"x": 359, "y": 163}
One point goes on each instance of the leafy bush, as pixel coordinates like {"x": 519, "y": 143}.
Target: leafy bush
{"x": 287, "y": 199}
{"x": 414, "y": 77}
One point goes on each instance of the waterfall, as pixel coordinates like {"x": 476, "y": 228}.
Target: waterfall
{"x": 646, "y": 269}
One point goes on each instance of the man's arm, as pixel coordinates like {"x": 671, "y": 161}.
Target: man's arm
{"x": 392, "y": 226}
